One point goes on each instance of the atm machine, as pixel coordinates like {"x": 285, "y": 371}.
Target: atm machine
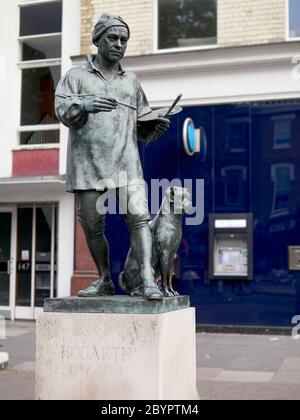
{"x": 231, "y": 247}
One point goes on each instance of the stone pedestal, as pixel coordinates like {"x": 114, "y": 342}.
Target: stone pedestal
{"x": 2, "y": 328}
{"x": 117, "y": 348}
{"x": 4, "y": 358}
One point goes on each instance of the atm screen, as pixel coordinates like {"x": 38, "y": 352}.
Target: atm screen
{"x": 231, "y": 258}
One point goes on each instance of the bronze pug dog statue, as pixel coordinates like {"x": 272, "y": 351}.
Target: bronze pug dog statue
{"x": 166, "y": 229}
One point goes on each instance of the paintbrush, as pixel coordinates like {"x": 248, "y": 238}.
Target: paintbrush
{"x": 166, "y": 115}
{"x": 92, "y": 94}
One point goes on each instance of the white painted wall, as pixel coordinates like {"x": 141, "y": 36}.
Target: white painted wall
{"x": 66, "y": 226}
{"x": 9, "y": 103}
{"x": 70, "y": 47}
{"x": 71, "y": 39}
{"x": 220, "y": 75}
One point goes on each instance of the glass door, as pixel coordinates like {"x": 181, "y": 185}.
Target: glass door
{"x": 7, "y": 260}
{"x": 36, "y": 258}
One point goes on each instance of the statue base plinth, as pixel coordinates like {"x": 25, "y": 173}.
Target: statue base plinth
{"x": 97, "y": 355}
{"x": 4, "y": 358}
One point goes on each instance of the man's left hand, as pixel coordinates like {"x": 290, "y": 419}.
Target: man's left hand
{"x": 162, "y": 125}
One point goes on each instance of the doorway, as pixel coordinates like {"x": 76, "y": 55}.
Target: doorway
{"x": 36, "y": 252}
{"x": 28, "y": 259}
{"x": 7, "y": 260}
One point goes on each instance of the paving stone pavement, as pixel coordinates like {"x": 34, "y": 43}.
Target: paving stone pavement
{"x": 229, "y": 366}
{"x": 17, "y": 382}
{"x": 248, "y": 367}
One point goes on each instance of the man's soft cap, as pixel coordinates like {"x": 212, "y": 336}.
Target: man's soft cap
{"x": 107, "y": 21}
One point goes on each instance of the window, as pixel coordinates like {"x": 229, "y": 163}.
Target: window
{"x": 41, "y": 19}
{"x": 40, "y": 53}
{"x": 282, "y": 175}
{"x": 234, "y": 177}
{"x": 294, "y": 19}
{"x": 237, "y": 134}
{"x": 186, "y": 23}
{"x": 282, "y": 131}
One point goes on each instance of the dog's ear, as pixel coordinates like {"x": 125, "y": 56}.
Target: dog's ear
{"x": 186, "y": 193}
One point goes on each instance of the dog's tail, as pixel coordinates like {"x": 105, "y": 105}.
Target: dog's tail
{"x": 136, "y": 290}
{"x": 122, "y": 284}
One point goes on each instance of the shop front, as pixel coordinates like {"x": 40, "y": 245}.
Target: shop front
{"x": 241, "y": 266}
{"x": 28, "y": 244}
{"x": 239, "y": 133}
{"x": 30, "y": 248}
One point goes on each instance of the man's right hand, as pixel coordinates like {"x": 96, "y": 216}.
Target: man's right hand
{"x": 95, "y": 104}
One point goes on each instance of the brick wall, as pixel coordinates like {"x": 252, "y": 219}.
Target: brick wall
{"x": 248, "y": 22}
{"x": 137, "y": 13}
{"x": 240, "y": 22}
{"x": 87, "y": 16}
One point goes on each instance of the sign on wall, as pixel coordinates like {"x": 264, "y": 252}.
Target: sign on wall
{"x": 194, "y": 139}
{"x": 294, "y": 258}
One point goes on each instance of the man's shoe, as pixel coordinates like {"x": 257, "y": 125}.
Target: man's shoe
{"x": 152, "y": 292}
{"x": 98, "y": 288}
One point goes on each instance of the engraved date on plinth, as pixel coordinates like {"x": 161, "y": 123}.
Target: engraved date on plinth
{"x": 92, "y": 359}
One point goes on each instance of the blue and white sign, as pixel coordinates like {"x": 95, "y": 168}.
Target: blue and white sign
{"x": 194, "y": 139}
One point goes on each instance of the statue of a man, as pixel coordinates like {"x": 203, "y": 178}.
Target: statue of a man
{"x": 101, "y": 104}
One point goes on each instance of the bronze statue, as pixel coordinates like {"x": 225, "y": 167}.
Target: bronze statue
{"x": 103, "y": 106}
{"x": 166, "y": 229}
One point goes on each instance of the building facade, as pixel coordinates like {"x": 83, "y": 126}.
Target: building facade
{"x": 36, "y": 215}
{"x": 237, "y": 64}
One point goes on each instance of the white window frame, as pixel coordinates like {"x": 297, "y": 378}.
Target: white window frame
{"x": 274, "y": 168}
{"x": 176, "y": 49}
{"x": 287, "y": 24}
{"x": 286, "y": 117}
{"x": 22, "y": 65}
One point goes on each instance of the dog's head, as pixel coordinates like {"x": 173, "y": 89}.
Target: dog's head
{"x": 178, "y": 199}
